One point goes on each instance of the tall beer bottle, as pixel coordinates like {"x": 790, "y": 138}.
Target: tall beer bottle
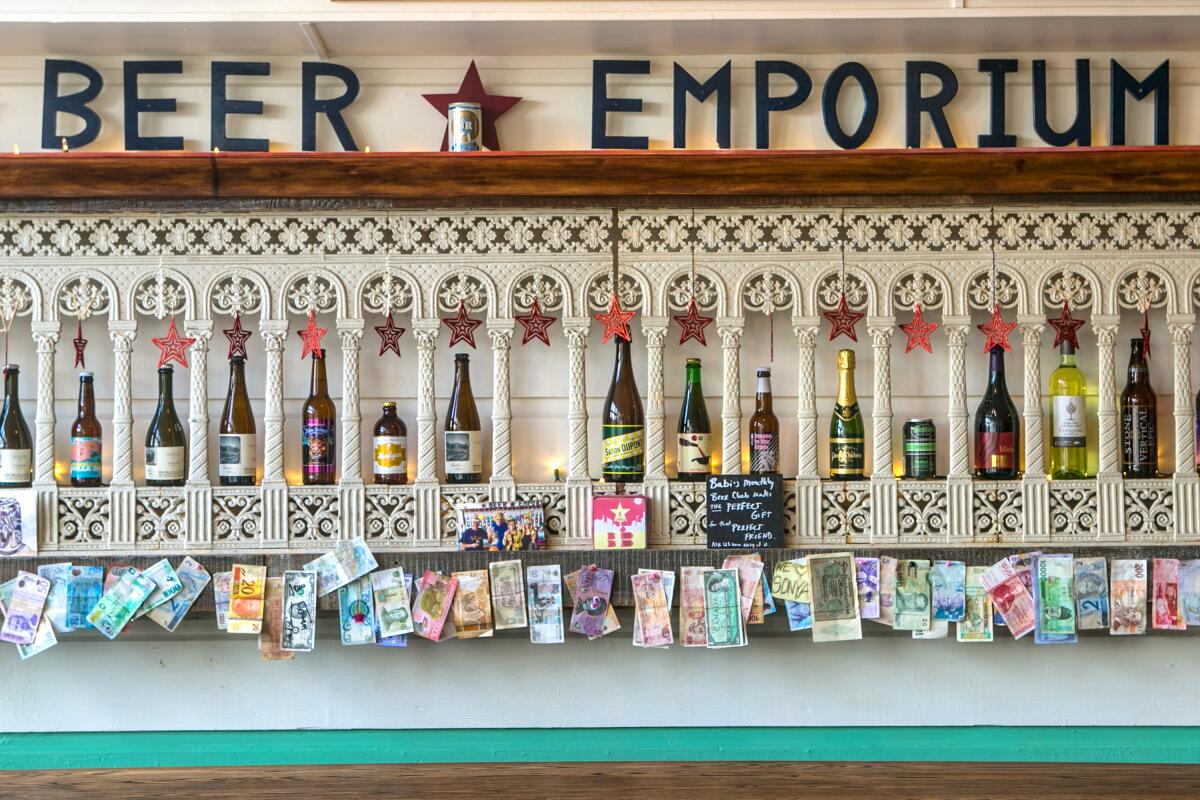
{"x": 847, "y": 434}
{"x": 1068, "y": 423}
{"x": 764, "y": 429}
{"x": 695, "y": 434}
{"x": 16, "y": 445}
{"x": 463, "y": 444}
{"x": 1139, "y": 418}
{"x": 389, "y": 445}
{"x": 86, "y": 437}
{"x": 166, "y": 442}
{"x": 997, "y": 427}
{"x": 319, "y": 421}
{"x": 623, "y": 425}
{"x": 236, "y": 440}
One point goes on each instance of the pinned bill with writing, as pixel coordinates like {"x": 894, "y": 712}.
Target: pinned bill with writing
{"x": 270, "y": 638}
{"x": 193, "y": 578}
{"x": 1168, "y": 616}
{"x": 1128, "y": 596}
{"x": 347, "y": 561}
{"x": 668, "y": 580}
{"x": 544, "y": 584}
{"x": 44, "y": 637}
{"x": 298, "y": 633}
{"x": 723, "y": 610}
{"x": 834, "y": 597}
{"x": 976, "y": 624}
{"x": 246, "y": 598}
{"x": 508, "y": 595}
{"x": 789, "y": 580}
{"x": 1091, "y": 593}
{"x": 356, "y": 611}
{"x": 750, "y": 572}
{"x": 118, "y": 604}
{"x": 592, "y": 595}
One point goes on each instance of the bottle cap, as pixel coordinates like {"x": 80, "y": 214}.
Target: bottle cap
{"x": 462, "y": 357}
{"x": 165, "y": 368}
{"x": 693, "y": 362}
{"x": 845, "y": 359}
{"x": 1066, "y": 348}
{"x": 87, "y": 376}
{"x": 389, "y": 404}
{"x": 237, "y": 360}
{"x": 763, "y": 372}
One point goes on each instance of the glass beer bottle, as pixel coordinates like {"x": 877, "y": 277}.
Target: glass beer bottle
{"x": 764, "y": 429}
{"x": 389, "y": 445}
{"x": 319, "y": 421}
{"x": 847, "y": 434}
{"x": 16, "y": 445}
{"x": 236, "y": 440}
{"x": 463, "y": 444}
{"x": 694, "y": 444}
{"x": 997, "y": 427}
{"x": 1139, "y": 418}
{"x": 623, "y": 424}
{"x": 86, "y": 437}
{"x": 166, "y": 442}
{"x": 1068, "y": 422}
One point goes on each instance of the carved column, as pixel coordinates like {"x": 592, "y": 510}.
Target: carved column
{"x": 503, "y": 486}
{"x": 959, "y": 522}
{"x": 1187, "y": 485}
{"x": 883, "y": 480}
{"x": 579, "y": 479}
{"x": 1034, "y": 486}
{"x": 351, "y": 495}
{"x": 808, "y": 479}
{"x": 121, "y": 492}
{"x": 1110, "y": 499}
{"x": 45, "y": 335}
{"x": 730, "y": 329}
{"x": 274, "y": 485}
{"x": 426, "y": 489}
{"x": 198, "y": 493}
{"x": 655, "y": 485}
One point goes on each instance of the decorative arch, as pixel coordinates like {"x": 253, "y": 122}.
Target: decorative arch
{"x": 767, "y": 289}
{"x": 371, "y": 295}
{"x": 923, "y": 284}
{"x": 85, "y": 293}
{"x": 317, "y": 289}
{"x": 239, "y": 291}
{"x": 1011, "y": 290}
{"x": 676, "y": 291}
{"x": 20, "y": 294}
{"x": 1074, "y": 283}
{"x": 162, "y": 292}
{"x": 1142, "y": 287}
{"x": 633, "y": 291}
{"x": 547, "y": 284}
{"x": 473, "y": 287}
{"x": 861, "y": 292}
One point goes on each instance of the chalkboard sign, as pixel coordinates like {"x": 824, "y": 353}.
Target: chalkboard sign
{"x": 745, "y": 512}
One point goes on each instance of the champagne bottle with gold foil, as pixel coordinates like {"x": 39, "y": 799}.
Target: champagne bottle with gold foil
{"x": 86, "y": 437}
{"x": 16, "y": 445}
{"x": 237, "y": 443}
{"x": 319, "y": 428}
{"x": 623, "y": 424}
{"x": 847, "y": 434}
{"x": 463, "y": 443}
{"x": 389, "y": 445}
{"x": 166, "y": 442}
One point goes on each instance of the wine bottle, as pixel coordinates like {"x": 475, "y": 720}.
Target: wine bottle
{"x": 463, "y": 445}
{"x": 16, "y": 445}
{"x": 694, "y": 448}
{"x": 389, "y": 445}
{"x": 764, "y": 429}
{"x": 622, "y": 423}
{"x": 86, "y": 437}
{"x": 997, "y": 427}
{"x": 319, "y": 420}
{"x": 847, "y": 434}
{"x": 166, "y": 443}
{"x": 1139, "y": 418}
{"x": 236, "y": 440}
{"x": 1068, "y": 424}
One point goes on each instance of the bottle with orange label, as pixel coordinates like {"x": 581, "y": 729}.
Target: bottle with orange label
{"x": 390, "y": 445}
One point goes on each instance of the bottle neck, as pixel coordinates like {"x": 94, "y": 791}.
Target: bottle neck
{"x": 165, "y": 391}
{"x": 11, "y": 392}
{"x": 237, "y": 378}
{"x": 319, "y": 385}
{"x": 621, "y": 365}
{"x": 1138, "y": 371}
{"x": 1066, "y": 360}
{"x": 462, "y": 374}
{"x": 762, "y": 395}
{"x": 996, "y": 369}
{"x": 87, "y": 399}
{"x": 845, "y": 395}
{"x": 693, "y": 376}
{"x": 389, "y": 412}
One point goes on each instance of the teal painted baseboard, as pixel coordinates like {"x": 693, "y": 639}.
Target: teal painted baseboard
{"x": 238, "y": 748}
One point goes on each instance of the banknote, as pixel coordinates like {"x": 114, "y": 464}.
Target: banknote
{"x": 508, "y": 594}
{"x": 1054, "y": 599}
{"x": 1168, "y": 616}
{"x": 1091, "y": 593}
{"x": 592, "y": 594}
{"x": 834, "y": 597}
{"x": 56, "y": 601}
{"x": 938, "y": 629}
{"x": 887, "y": 590}
{"x": 435, "y": 594}
{"x": 246, "y": 599}
{"x": 118, "y": 604}
{"x": 691, "y": 606}
{"x": 299, "y": 625}
{"x": 976, "y": 624}
{"x": 749, "y": 572}
{"x": 472, "y": 605}
{"x": 1189, "y": 591}
{"x": 799, "y": 615}
{"x": 947, "y": 590}
{"x": 544, "y": 584}
{"x": 768, "y": 598}
{"x": 85, "y": 585}
{"x": 193, "y": 578}
{"x": 758, "y": 607}
{"x": 400, "y": 639}
{"x": 723, "y": 624}
{"x": 43, "y": 638}
{"x": 24, "y": 607}
{"x": 1128, "y": 596}
{"x": 222, "y": 586}
{"x": 1006, "y": 589}
{"x": 271, "y": 635}
{"x": 611, "y": 624}
{"x": 347, "y": 561}
{"x": 166, "y": 586}
{"x": 393, "y": 609}
{"x": 356, "y": 611}
{"x": 911, "y": 602}
{"x": 867, "y": 580}
{"x": 668, "y": 579}
{"x": 650, "y": 605}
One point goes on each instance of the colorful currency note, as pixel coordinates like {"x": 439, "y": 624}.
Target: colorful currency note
{"x": 24, "y": 608}
{"x": 650, "y": 604}
{"x": 938, "y": 629}
{"x": 222, "y": 587}
{"x": 887, "y": 590}
{"x": 668, "y": 581}
{"x": 723, "y": 623}
{"x": 356, "y": 610}
{"x": 435, "y": 594}
{"x": 1091, "y": 593}
{"x": 867, "y": 580}
{"x": 1128, "y": 596}
{"x": 44, "y": 638}
{"x": 393, "y": 609}
{"x": 976, "y": 624}
{"x": 299, "y": 626}
{"x": 911, "y": 602}
{"x": 1006, "y": 588}
{"x": 347, "y": 561}
{"x": 750, "y": 571}
{"x": 611, "y": 623}
{"x": 768, "y": 598}
{"x": 799, "y": 615}
{"x": 1054, "y": 599}
{"x": 246, "y": 599}
{"x": 834, "y": 597}
{"x": 472, "y": 605}
{"x": 193, "y": 577}
{"x": 1189, "y": 591}
{"x": 166, "y": 586}
{"x": 947, "y": 590}
{"x": 544, "y": 583}
{"x": 271, "y": 635}
{"x": 118, "y": 604}
{"x": 591, "y": 601}
{"x": 508, "y": 594}
{"x": 56, "y": 602}
{"x": 1168, "y": 616}
{"x": 758, "y": 607}
{"x": 85, "y": 585}
{"x": 691, "y": 606}
{"x": 399, "y": 640}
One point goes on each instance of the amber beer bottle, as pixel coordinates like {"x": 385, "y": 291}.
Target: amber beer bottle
{"x": 622, "y": 423}
{"x": 16, "y": 445}
{"x": 390, "y": 448}
{"x": 764, "y": 430}
{"x": 319, "y": 421}
{"x": 236, "y": 441}
{"x": 695, "y": 434}
{"x": 1139, "y": 418}
{"x": 86, "y": 437}
{"x": 463, "y": 445}
{"x": 166, "y": 443}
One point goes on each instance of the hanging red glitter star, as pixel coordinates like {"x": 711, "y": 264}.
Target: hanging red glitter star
{"x": 237, "y": 336}
{"x": 997, "y": 330}
{"x": 311, "y": 336}
{"x": 462, "y": 328}
{"x": 842, "y": 319}
{"x": 616, "y": 321}
{"x": 471, "y": 90}
{"x": 1146, "y": 334}
{"x": 173, "y": 347}
{"x": 389, "y": 336}
{"x": 1065, "y": 327}
{"x": 80, "y": 344}
{"x": 918, "y": 331}
{"x": 691, "y": 324}
{"x": 535, "y": 323}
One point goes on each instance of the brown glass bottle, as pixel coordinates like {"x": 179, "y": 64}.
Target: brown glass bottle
{"x": 390, "y": 446}
{"x": 166, "y": 442}
{"x": 1139, "y": 418}
{"x": 86, "y": 437}
{"x": 463, "y": 445}
{"x": 236, "y": 439}
{"x": 623, "y": 423}
{"x": 16, "y": 445}
{"x": 319, "y": 421}
{"x": 764, "y": 430}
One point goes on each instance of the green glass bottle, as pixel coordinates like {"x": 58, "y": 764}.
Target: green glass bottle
{"x": 847, "y": 434}
{"x": 1068, "y": 423}
{"x": 16, "y": 445}
{"x": 694, "y": 446}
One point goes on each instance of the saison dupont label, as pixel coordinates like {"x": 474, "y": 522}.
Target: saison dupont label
{"x": 390, "y": 455}
{"x": 235, "y": 456}
{"x": 85, "y": 457}
{"x": 318, "y": 447}
{"x": 995, "y": 451}
{"x": 165, "y": 463}
{"x": 624, "y": 447}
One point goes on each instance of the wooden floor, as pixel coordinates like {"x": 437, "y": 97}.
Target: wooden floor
{"x": 611, "y": 781}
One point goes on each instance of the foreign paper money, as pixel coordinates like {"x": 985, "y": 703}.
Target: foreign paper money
{"x": 976, "y": 624}
{"x": 834, "y": 597}
{"x": 912, "y": 598}
{"x": 611, "y": 624}
{"x": 166, "y": 586}
{"x": 763, "y": 604}
{"x": 1091, "y": 593}
{"x": 668, "y": 579}
{"x": 222, "y": 587}
{"x": 347, "y": 561}
{"x": 544, "y": 583}
{"x": 271, "y": 636}
{"x": 867, "y": 580}
{"x": 650, "y": 604}
{"x": 938, "y": 629}
{"x": 472, "y": 605}
{"x": 56, "y": 602}
{"x": 799, "y": 615}
{"x": 118, "y": 605}
{"x": 1168, "y": 616}
{"x": 887, "y": 590}
{"x": 723, "y": 610}
{"x": 1054, "y": 599}
{"x": 356, "y": 611}
{"x": 592, "y": 594}
{"x": 393, "y": 609}
{"x": 246, "y": 599}
{"x": 1189, "y": 591}
{"x": 947, "y": 589}
{"x": 691, "y": 606}
{"x": 193, "y": 577}
{"x": 508, "y": 594}
{"x": 1128, "y": 596}
{"x": 399, "y": 640}
{"x": 85, "y": 585}
{"x": 43, "y": 639}
{"x": 299, "y": 627}
{"x": 789, "y": 580}
{"x": 749, "y": 573}
{"x": 435, "y": 594}
{"x": 24, "y": 608}
{"x": 768, "y": 598}
{"x": 1009, "y": 596}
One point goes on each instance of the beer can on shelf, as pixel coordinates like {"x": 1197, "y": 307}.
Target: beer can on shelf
{"x": 920, "y": 449}
{"x": 466, "y": 126}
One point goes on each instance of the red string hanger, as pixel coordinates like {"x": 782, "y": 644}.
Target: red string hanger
{"x": 691, "y": 323}
{"x": 842, "y": 319}
{"x": 389, "y": 333}
{"x": 615, "y": 320}
{"x": 996, "y": 329}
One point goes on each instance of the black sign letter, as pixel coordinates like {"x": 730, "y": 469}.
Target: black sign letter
{"x": 915, "y": 104}
{"x": 829, "y": 105}
{"x": 998, "y": 67}
{"x": 310, "y": 106}
{"x": 602, "y": 104}
{"x": 1157, "y": 83}
{"x": 222, "y": 107}
{"x": 135, "y": 105}
{"x": 721, "y": 82}
{"x": 764, "y": 103}
{"x": 76, "y": 104}
{"x": 1081, "y": 129}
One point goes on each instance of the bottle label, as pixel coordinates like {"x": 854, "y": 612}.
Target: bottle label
{"x": 846, "y": 456}
{"x": 165, "y": 463}
{"x": 764, "y": 453}
{"x": 15, "y": 466}
{"x": 995, "y": 451}
{"x": 694, "y": 453}
{"x": 391, "y": 456}
{"x": 319, "y": 455}
{"x": 464, "y": 456}
{"x": 624, "y": 449}
{"x": 236, "y": 456}
{"x": 1070, "y": 427}
{"x": 85, "y": 457}
{"x": 1139, "y": 438}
